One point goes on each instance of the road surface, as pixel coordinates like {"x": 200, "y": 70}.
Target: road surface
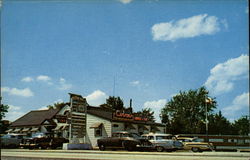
{"x": 23, "y": 154}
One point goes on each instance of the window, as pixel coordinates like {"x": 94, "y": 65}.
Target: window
{"x": 150, "y": 137}
{"x": 98, "y": 132}
{"x": 115, "y": 125}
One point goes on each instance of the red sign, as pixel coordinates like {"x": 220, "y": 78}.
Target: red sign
{"x": 126, "y": 116}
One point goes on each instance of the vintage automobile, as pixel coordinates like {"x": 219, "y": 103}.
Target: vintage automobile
{"x": 124, "y": 140}
{"x": 163, "y": 142}
{"x": 195, "y": 144}
{"x": 11, "y": 140}
{"x": 43, "y": 141}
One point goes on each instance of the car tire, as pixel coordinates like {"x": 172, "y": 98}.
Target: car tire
{"x": 196, "y": 149}
{"x": 102, "y": 147}
{"x": 159, "y": 149}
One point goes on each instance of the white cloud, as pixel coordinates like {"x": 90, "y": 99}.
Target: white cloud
{"x": 239, "y": 104}
{"x": 18, "y": 92}
{"x": 186, "y": 28}
{"x": 14, "y": 112}
{"x": 135, "y": 83}
{"x": 96, "y": 98}
{"x": 27, "y": 79}
{"x": 247, "y": 10}
{"x": 64, "y": 85}
{"x": 125, "y": 1}
{"x": 223, "y": 75}
{"x": 43, "y": 78}
{"x": 156, "y": 106}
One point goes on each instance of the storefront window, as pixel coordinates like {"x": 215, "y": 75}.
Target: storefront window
{"x": 98, "y": 132}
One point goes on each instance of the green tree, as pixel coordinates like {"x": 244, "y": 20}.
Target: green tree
{"x": 242, "y": 126}
{"x": 57, "y": 105}
{"x": 186, "y": 112}
{"x": 114, "y": 103}
{"x": 147, "y": 113}
{"x": 218, "y": 124}
{"x": 3, "y": 125}
{"x": 3, "y": 110}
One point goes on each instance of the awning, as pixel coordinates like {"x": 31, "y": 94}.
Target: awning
{"x": 25, "y": 129}
{"x": 129, "y": 126}
{"x": 61, "y": 127}
{"x": 96, "y": 125}
{"x": 144, "y": 128}
{"x": 34, "y": 129}
{"x": 17, "y": 130}
{"x": 9, "y": 130}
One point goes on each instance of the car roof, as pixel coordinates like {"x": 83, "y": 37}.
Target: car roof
{"x": 157, "y": 134}
{"x": 120, "y": 132}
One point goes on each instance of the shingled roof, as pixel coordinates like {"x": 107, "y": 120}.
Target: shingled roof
{"x": 34, "y": 118}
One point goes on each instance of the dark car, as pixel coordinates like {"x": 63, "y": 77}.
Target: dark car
{"x": 124, "y": 140}
{"x": 11, "y": 140}
{"x": 43, "y": 141}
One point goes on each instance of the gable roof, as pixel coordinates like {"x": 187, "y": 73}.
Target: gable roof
{"x": 35, "y": 117}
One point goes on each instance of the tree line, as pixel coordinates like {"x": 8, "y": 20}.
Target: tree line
{"x": 184, "y": 113}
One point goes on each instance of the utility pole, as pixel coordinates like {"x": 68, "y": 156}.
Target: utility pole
{"x": 207, "y": 101}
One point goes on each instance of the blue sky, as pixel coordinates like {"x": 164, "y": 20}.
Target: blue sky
{"x": 152, "y": 48}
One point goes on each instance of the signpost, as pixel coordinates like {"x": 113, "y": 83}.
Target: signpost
{"x": 78, "y": 106}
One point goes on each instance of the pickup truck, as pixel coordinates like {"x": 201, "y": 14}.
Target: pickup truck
{"x": 124, "y": 140}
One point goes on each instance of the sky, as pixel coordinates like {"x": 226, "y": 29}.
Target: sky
{"x": 144, "y": 50}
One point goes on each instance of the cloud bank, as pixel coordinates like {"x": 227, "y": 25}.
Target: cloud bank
{"x": 96, "y": 98}
{"x": 239, "y": 105}
{"x": 223, "y": 75}
{"x": 26, "y": 92}
{"x": 156, "y": 106}
{"x": 186, "y": 28}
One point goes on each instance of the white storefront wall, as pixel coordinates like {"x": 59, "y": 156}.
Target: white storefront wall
{"x": 90, "y": 132}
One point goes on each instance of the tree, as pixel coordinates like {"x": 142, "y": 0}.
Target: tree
{"x": 3, "y": 125}
{"x": 57, "y": 105}
{"x": 114, "y": 103}
{"x": 3, "y": 110}
{"x": 147, "y": 113}
{"x": 242, "y": 126}
{"x": 186, "y": 112}
{"x": 218, "y": 124}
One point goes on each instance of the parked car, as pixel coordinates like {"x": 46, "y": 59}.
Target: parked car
{"x": 43, "y": 141}
{"x": 163, "y": 141}
{"x": 124, "y": 140}
{"x": 195, "y": 144}
{"x": 11, "y": 140}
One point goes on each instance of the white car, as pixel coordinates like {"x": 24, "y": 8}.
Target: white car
{"x": 163, "y": 141}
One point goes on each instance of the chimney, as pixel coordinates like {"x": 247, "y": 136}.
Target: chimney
{"x": 130, "y": 103}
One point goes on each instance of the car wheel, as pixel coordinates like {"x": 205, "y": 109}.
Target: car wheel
{"x": 195, "y": 149}
{"x": 102, "y": 147}
{"x": 159, "y": 149}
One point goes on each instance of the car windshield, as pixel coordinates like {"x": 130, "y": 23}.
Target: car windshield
{"x": 196, "y": 140}
{"x": 135, "y": 135}
{"x": 163, "y": 137}
{"x": 38, "y": 135}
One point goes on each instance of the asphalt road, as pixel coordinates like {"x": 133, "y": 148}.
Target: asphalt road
{"x": 23, "y": 154}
